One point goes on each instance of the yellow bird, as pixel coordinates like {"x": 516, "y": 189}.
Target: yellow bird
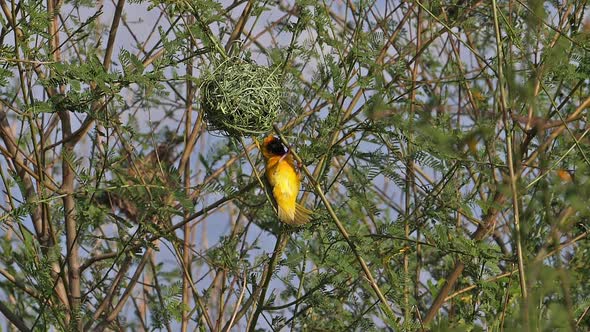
{"x": 285, "y": 183}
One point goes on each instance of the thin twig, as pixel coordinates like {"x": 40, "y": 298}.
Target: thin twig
{"x": 238, "y": 303}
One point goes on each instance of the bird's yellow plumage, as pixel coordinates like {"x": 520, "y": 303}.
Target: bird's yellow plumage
{"x": 285, "y": 183}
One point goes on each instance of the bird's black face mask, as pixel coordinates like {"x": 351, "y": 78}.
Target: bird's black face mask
{"x": 276, "y": 147}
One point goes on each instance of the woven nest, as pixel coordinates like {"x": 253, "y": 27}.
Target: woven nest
{"x": 241, "y": 98}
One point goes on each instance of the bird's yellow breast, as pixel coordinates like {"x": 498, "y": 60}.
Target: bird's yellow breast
{"x": 283, "y": 179}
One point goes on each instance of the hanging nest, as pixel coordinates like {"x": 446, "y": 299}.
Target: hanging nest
{"x": 241, "y": 98}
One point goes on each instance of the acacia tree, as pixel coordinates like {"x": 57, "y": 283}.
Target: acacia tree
{"x": 444, "y": 150}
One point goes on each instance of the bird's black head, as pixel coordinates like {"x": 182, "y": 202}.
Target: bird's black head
{"x": 275, "y": 147}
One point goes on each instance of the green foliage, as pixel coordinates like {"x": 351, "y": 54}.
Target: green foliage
{"x": 170, "y": 308}
{"x": 122, "y": 209}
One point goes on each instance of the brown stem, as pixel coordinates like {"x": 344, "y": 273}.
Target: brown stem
{"x": 113, "y": 34}
{"x": 71, "y": 231}
{"x": 186, "y": 244}
{"x": 73, "y": 259}
{"x": 239, "y": 26}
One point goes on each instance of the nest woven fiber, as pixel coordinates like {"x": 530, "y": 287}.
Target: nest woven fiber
{"x": 241, "y": 98}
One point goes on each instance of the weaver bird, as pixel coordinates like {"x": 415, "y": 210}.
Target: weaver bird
{"x": 284, "y": 181}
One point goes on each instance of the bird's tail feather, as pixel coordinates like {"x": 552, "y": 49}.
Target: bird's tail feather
{"x": 294, "y": 217}
{"x": 302, "y": 214}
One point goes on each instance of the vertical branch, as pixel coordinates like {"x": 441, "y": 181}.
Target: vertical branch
{"x": 409, "y": 183}
{"x": 108, "y": 55}
{"x": 186, "y": 245}
{"x": 510, "y": 157}
{"x": 73, "y": 260}
{"x": 107, "y": 60}
{"x": 67, "y": 151}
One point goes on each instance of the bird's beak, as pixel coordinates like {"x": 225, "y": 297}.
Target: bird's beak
{"x": 285, "y": 155}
